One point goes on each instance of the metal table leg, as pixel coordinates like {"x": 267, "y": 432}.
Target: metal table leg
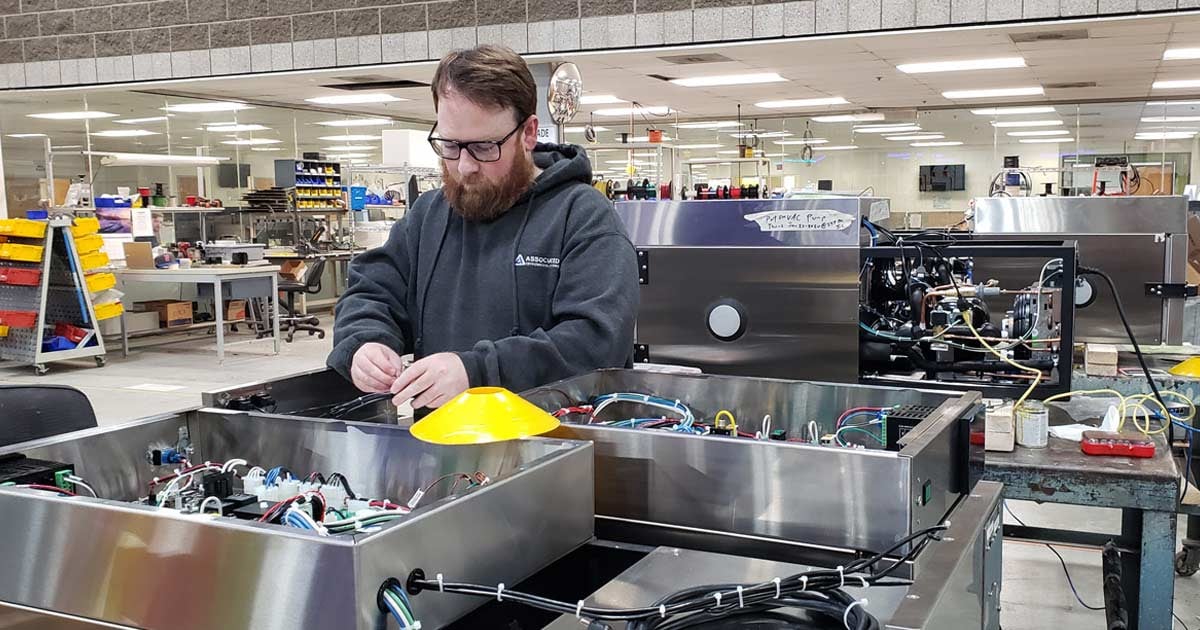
{"x": 124, "y": 337}
{"x": 275, "y": 310}
{"x": 218, "y": 306}
{"x": 1154, "y": 570}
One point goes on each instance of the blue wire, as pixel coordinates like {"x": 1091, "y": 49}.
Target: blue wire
{"x": 273, "y": 475}
{"x": 871, "y": 229}
{"x": 395, "y": 613}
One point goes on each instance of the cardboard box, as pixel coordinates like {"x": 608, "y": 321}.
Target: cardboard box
{"x": 135, "y": 322}
{"x": 138, "y": 255}
{"x": 235, "y": 309}
{"x": 293, "y": 270}
{"x": 171, "y": 314}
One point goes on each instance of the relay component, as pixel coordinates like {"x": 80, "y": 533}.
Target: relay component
{"x": 16, "y": 468}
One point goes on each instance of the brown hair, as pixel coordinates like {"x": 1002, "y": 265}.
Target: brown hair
{"x": 489, "y": 75}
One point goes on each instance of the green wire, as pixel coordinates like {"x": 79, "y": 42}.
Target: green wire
{"x": 854, "y": 428}
{"x": 399, "y": 604}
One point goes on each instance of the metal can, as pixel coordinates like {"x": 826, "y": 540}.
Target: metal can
{"x": 1032, "y": 421}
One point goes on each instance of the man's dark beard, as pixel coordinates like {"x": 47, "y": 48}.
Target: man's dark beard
{"x": 481, "y": 200}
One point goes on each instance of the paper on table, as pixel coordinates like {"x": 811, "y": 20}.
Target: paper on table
{"x": 1074, "y": 432}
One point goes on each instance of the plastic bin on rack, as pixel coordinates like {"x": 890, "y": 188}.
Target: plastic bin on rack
{"x": 89, "y": 244}
{"x": 3, "y": 331}
{"x": 95, "y": 260}
{"x": 17, "y": 276}
{"x": 84, "y": 226}
{"x": 109, "y": 311}
{"x": 97, "y": 282}
{"x": 19, "y": 319}
{"x": 74, "y": 333}
{"x": 23, "y": 228}
{"x": 23, "y": 253}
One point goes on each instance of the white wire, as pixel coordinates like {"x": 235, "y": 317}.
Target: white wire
{"x": 861, "y": 603}
{"x": 204, "y": 504}
{"x": 83, "y": 484}
{"x": 166, "y": 493}
{"x": 229, "y": 465}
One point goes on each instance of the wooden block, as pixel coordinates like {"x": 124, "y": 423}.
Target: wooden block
{"x": 1100, "y": 359}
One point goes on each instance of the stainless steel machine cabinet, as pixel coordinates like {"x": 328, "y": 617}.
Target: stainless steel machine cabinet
{"x": 114, "y": 562}
{"x": 1136, "y": 240}
{"x": 670, "y": 487}
{"x": 750, "y": 287}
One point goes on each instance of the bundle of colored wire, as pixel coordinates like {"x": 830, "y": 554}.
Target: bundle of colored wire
{"x": 672, "y": 406}
{"x": 875, "y": 412}
{"x": 362, "y": 402}
{"x": 45, "y": 488}
{"x": 400, "y": 608}
{"x": 356, "y": 523}
{"x": 1037, "y": 374}
{"x": 858, "y": 428}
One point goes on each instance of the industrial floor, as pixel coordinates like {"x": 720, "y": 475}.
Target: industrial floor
{"x": 161, "y": 379}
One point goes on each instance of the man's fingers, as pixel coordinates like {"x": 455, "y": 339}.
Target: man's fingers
{"x": 369, "y": 382}
{"x": 429, "y": 398}
{"x": 379, "y": 372}
{"x": 412, "y": 381}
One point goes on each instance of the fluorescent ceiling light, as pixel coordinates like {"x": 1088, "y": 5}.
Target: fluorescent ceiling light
{"x": 124, "y": 133}
{"x": 1164, "y": 103}
{"x": 843, "y": 147}
{"x": 1047, "y": 132}
{"x": 887, "y": 129}
{"x": 1046, "y": 140}
{"x": 1167, "y": 119}
{"x": 582, "y": 128}
{"x": 996, "y": 63}
{"x": 729, "y": 152}
{"x": 730, "y": 79}
{"x": 357, "y": 122}
{"x": 763, "y": 134}
{"x": 803, "y": 141}
{"x": 347, "y": 156}
{"x": 802, "y": 102}
{"x": 773, "y": 154}
{"x": 251, "y": 141}
{"x": 1181, "y": 53}
{"x": 354, "y": 99}
{"x": 714, "y": 124}
{"x": 626, "y": 162}
{"x": 350, "y": 138}
{"x": 1013, "y": 111}
{"x": 350, "y": 147}
{"x": 916, "y": 136}
{"x": 955, "y": 95}
{"x": 67, "y": 146}
{"x": 234, "y": 128}
{"x": 600, "y": 99}
{"x": 1175, "y": 85}
{"x": 849, "y": 118}
{"x": 26, "y": 135}
{"x": 1028, "y": 123}
{"x": 138, "y": 121}
{"x": 698, "y": 146}
{"x": 86, "y": 115}
{"x": 1164, "y": 135}
{"x": 109, "y": 158}
{"x": 207, "y": 108}
{"x": 266, "y": 149}
{"x": 655, "y": 110}
{"x": 947, "y": 143}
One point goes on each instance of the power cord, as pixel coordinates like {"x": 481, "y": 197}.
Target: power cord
{"x": 1066, "y": 571}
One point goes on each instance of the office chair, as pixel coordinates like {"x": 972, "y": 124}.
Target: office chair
{"x": 295, "y": 321}
{"x": 32, "y": 412}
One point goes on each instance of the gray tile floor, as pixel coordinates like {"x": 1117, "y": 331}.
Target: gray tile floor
{"x": 1035, "y": 594}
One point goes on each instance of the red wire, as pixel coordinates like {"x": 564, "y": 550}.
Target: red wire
{"x": 38, "y": 486}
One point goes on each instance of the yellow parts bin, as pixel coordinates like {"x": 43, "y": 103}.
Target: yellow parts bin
{"x": 23, "y": 253}
{"x": 97, "y": 282}
{"x": 23, "y": 228}
{"x": 89, "y": 244}
{"x": 109, "y": 311}
{"x": 93, "y": 261}
{"x": 85, "y": 226}
{"x": 3, "y": 330}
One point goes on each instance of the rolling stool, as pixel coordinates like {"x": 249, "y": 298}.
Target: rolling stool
{"x": 294, "y": 321}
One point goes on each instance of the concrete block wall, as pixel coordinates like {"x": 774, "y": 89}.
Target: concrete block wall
{"x": 70, "y": 42}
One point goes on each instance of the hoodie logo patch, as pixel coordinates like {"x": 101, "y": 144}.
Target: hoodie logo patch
{"x": 529, "y": 260}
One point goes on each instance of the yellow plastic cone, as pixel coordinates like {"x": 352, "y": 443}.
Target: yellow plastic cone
{"x": 482, "y": 415}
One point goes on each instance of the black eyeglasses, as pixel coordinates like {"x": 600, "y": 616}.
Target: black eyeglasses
{"x": 480, "y": 150}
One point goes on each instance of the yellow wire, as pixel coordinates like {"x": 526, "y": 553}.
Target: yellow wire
{"x": 1136, "y": 407}
{"x": 1038, "y": 373}
{"x": 732, "y": 421}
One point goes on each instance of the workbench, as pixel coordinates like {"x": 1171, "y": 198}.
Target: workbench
{"x": 222, "y": 277}
{"x": 1145, "y": 490}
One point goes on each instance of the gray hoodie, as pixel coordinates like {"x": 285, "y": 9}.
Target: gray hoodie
{"x": 547, "y": 291}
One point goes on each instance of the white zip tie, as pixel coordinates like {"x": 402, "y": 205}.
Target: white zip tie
{"x": 862, "y": 603}
{"x": 441, "y": 584}
{"x": 864, "y": 580}
{"x": 579, "y": 610}
{"x": 842, "y": 576}
{"x": 500, "y": 592}
{"x": 803, "y": 583}
{"x": 741, "y": 602}
{"x": 662, "y": 611}
{"x": 778, "y": 582}
{"x": 718, "y": 596}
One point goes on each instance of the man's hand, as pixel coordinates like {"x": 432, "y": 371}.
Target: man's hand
{"x": 432, "y": 381}
{"x": 375, "y": 367}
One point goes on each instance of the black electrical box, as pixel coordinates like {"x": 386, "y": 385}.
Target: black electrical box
{"x": 18, "y": 469}
{"x": 234, "y": 502}
{"x": 251, "y": 511}
{"x": 218, "y": 484}
{"x": 903, "y": 419}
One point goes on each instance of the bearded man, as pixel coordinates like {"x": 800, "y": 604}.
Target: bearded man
{"x": 516, "y": 273}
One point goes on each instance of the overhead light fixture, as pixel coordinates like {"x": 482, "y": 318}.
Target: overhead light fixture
{"x": 66, "y": 146}
{"x": 699, "y": 146}
{"x": 774, "y": 154}
{"x": 849, "y": 118}
{"x": 600, "y": 99}
{"x": 1175, "y": 85}
{"x": 1166, "y": 103}
{"x": 730, "y": 79}
{"x": 1164, "y": 135}
{"x": 347, "y": 156}
{"x": 355, "y": 99}
{"x": 633, "y": 162}
{"x": 762, "y": 134}
{"x": 251, "y": 141}
{"x": 583, "y": 128}
{"x": 266, "y": 149}
{"x": 26, "y": 135}
{"x": 647, "y": 138}
{"x": 357, "y": 122}
{"x": 350, "y": 138}
{"x": 350, "y": 147}
{"x": 235, "y": 128}
{"x": 803, "y": 141}
{"x": 916, "y": 136}
{"x": 1168, "y": 119}
{"x": 886, "y": 128}
{"x": 1027, "y": 123}
{"x": 997, "y": 63}
{"x": 207, "y": 108}
{"x": 1046, "y": 132}
{"x": 1181, "y": 53}
{"x": 124, "y": 133}
{"x": 109, "y": 158}
{"x": 1014, "y": 111}
{"x": 84, "y": 115}
{"x": 656, "y": 110}
{"x": 714, "y": 124}
{"x": 1046, "y": 140}
{"x": 843, "y": 147}
{"x": 138, "y": 121}
{"x": 956, "y": 95}
{"x": 946, "y": 143}
{"x": 801, "y": 103}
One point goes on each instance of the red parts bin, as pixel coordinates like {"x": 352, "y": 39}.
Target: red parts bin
{"x": 19, "y": 319}
{"x": 20, "y": 277}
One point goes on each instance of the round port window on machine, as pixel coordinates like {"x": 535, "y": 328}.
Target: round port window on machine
{"x": 726, "y": 320}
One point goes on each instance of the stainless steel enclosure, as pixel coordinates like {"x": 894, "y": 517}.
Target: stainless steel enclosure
{"x": 750, "y": 287}
{"x": 71, "y": 561}
{"x": 1136, "y": 240}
